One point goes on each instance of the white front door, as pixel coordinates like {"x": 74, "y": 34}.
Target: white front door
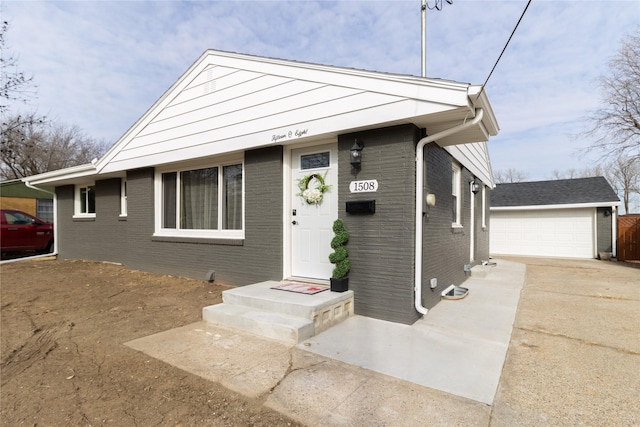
{"x": 311, "y": 224}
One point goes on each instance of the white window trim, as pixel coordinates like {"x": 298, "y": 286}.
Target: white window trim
{"x": 203, "y": 234}
{"x": 123, "y": 198}
{"x": 456, "y": 170}
{"x": 76, "y": 201}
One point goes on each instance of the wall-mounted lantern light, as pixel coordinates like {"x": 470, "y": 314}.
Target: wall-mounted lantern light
{"x": 355, "y": 155}
{"x": 475, "y": 186}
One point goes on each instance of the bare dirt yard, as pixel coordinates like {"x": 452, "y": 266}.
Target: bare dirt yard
{"x": 573, "y": 357}
{"x": 62, "y": 361}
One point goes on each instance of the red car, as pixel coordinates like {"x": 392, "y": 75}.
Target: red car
{"x": 23, "y": 232}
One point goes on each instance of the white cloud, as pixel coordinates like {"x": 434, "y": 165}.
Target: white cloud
{"x": 101, "y": 65}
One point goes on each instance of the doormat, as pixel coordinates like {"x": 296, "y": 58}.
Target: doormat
{"x": 300, "y": 289}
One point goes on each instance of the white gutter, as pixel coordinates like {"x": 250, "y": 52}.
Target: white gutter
{"x": 549, "y": 207}
{"x": 55, "y": 227}
{"x": 59, "y": 175}
{"x": 420, "y": 200}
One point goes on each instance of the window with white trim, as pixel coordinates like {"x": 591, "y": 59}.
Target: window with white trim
{"x": 123, "y": 197}
{"x": 85, "y": 201}
{"x": 203, "y": 202}
{"x": 456, "y": 202}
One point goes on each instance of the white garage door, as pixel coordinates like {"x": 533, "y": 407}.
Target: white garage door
{"x": 565, "y": 233}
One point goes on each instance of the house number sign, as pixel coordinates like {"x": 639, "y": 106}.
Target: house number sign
{"x": 368, "y": 186}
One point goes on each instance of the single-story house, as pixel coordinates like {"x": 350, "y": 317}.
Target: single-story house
{"x": 14, "y": 194}
{"x": 211, "y": 181}
{"x": 568, "y": 218}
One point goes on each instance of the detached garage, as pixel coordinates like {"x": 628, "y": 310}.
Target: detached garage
{"x": 569, "y": 218}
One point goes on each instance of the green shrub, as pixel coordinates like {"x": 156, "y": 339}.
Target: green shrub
{"x": 340, "y": 256}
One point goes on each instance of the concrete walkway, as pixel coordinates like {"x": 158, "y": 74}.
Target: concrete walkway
{"x": 365, "y": 371}
{"x": 459, "y": 347}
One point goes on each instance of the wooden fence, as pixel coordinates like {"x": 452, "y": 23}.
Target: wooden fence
{"x": 629, "y": 237}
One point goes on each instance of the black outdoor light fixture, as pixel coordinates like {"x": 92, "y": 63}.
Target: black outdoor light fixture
{"x": 475, "y": 186}
{"x": 355, "y": 155}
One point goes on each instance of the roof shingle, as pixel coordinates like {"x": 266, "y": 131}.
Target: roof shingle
{"x": 556, "y": 192}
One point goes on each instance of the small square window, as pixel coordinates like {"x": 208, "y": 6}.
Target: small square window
{"x": 315, "y": 160}
{"x": 85, "y": 201}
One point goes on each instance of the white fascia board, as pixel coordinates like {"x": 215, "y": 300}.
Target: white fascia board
{"x": 62, "y": 176}
{"x": 548, "y": 207}
{"x": 481, "y": 100}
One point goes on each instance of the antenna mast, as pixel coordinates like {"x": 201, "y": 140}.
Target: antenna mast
{"x": 424, "y": 38}
{"x": 438, "y": 6}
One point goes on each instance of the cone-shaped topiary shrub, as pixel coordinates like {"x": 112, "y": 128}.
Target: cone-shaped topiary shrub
{"x": 340, "y": 256}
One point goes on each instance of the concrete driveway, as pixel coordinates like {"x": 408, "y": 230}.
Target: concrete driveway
{"x": 573, "y": 359}
{"x": 574, "y": 355}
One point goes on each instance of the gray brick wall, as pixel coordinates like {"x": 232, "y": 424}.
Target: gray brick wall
{"x": 132, "y": 243}
{"x": 603, "y": 227}
{"x": 447, "y": 250}
{"x": 381, "y": 246}
{"x": 100, "y": 238}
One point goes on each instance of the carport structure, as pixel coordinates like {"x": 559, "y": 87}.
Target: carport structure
{"x": 567, "y": 218}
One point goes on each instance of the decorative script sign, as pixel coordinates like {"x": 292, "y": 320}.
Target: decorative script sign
{"x": 368, "y": 186}
{"x": 291, "y": 134}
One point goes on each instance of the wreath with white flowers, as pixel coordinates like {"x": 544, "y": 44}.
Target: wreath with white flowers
{"x": 313, "y": 195}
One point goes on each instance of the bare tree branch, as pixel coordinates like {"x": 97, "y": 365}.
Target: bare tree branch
{"x": 14, "y": 84}
{"x": 615, "y": 126}
{"x": 31, "y": 145}
{"x": 508, "y": 176}
{"x": 624, "y": 176}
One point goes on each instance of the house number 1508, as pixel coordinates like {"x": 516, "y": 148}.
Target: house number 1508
{"x": 369, "y": 186}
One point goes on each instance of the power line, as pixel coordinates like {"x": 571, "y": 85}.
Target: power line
{"x": 504, "y": 48}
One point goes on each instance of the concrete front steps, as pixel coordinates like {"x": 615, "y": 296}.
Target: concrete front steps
{"x": 285, "y": 316}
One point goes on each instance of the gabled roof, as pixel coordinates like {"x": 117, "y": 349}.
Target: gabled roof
{"x": 228, "y": 102}
{"x": 595, "y": 191}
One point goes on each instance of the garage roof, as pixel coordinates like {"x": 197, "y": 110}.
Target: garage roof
{"x": 591, "y": 191}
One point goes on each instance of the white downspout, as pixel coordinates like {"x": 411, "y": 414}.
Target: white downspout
{"x": 472, "y": 224}
{"x": 420, "y": 200}
{"x": 55, "y": 227}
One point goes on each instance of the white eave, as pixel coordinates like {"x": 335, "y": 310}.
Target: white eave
{"x": 63, "y": 176}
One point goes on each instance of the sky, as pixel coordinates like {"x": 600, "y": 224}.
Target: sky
{"x": 100, "y": 65}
